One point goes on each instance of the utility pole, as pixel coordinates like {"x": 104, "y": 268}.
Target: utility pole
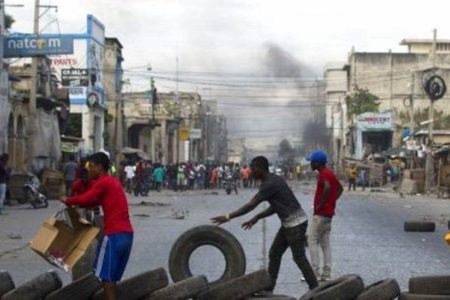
{"x": 33, "y": 88}
{"x": 429, "y": 161}
{"x": 412, "y": 124}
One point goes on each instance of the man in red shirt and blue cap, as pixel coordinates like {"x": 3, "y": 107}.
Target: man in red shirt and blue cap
{"x": 328, "y": 190}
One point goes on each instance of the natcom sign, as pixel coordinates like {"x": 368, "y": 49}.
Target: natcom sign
{"x": 36, "y": 45}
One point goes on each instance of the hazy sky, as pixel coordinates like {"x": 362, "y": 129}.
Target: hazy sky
{"x": 230, "y": 36}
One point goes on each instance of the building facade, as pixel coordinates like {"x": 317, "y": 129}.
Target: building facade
{"x": 83, "y": 74}
{"x": 113, "y": 76}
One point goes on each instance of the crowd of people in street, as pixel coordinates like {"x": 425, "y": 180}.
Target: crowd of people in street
{"x": 141, "y": 177}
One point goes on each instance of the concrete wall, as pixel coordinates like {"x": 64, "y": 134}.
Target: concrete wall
{"x": 393, "y": 76}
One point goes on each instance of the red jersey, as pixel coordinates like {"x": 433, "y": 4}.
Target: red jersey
{"x": 107, "y": 192}
{"x": 78, "y": 186}
{"x": 330, "y": 204}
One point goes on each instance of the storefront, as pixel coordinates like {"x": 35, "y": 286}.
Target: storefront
{"x": 371, "y": 133}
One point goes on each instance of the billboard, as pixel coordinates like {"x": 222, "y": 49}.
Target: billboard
{"x": 71, "y": 70}
{"x": 74, "y": 77}
{"x": 372, "y": 121}
{"x": 28, "y": 45}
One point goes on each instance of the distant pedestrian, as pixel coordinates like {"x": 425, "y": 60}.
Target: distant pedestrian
{"x": 181, "y": 177}
{"x": 158, "y": 176}
{"x": 328, "y": 190}
{"x": 352, "y": 175}
{"x": 294, "y": 221}
{"x": 4, "y": 175}
{"x": 70, "y": 173}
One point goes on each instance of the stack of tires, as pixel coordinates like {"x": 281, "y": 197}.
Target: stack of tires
{"x": 234, "y": 283}
{"x": 351, "y": 287}
{"x": 428, "y": 287}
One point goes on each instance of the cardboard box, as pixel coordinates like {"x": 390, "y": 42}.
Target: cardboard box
{"x": 64, "y": 238}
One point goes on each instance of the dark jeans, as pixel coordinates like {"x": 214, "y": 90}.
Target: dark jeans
{"x": 295, "y": 238}
{"x": 69, "y": 187}
{"x": 352, "y": 183}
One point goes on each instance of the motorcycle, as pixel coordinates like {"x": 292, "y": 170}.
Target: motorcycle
{"x": 230, "y": 183}
{"x": 32, "y": 193}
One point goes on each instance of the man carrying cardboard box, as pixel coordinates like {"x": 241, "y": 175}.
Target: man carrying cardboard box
{"x": 114, "y": 251}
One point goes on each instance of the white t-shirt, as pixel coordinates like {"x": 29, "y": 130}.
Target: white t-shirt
{"x": 130, "y": 170}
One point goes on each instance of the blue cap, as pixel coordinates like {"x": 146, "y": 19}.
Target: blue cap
{"x": 318, "y": 156}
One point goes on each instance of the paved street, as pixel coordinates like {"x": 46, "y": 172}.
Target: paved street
{"x": 367, "y": 238}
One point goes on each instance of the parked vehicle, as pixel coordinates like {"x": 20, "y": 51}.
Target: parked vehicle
{"x": 33, "y": 194}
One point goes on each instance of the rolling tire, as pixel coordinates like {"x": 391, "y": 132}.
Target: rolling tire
{"x": 35, "y": 289}
{"x": 419, "y": 226}
{"x": 409, "y": 296}
{"x": 387, "y": 289}
{"x": 139, "y": 286}
{"x": 185, "y": 289}
{"x": 81, "y": 289}
{"x": 430, "y": 285}
{"x": 344, "y": 288}
{"x": 6, "y": 283}
{"x": 188, "y": 242}
{"x": 239, "y": 288}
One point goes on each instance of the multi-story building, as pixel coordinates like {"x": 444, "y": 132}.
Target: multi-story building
{"x": 395, "y": 78}
{"x": 83, "y": 74}
{"x": 112, "y": 80}
{"x": 170, "y": 131}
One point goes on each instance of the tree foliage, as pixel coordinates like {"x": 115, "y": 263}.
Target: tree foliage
{"x": 9, "y": 21}
{"x": 362, "y": 101}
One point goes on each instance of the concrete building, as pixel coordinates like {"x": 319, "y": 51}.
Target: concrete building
{"x": 112, "y": 79}
{"x": 215, "y": 133}
{"x": 43, "y": 148}
{"x": 83, "y": 74}
{"x": 394, "y": 78}
{"x": 170, "y": 132}
{"x": 335, "y": 79}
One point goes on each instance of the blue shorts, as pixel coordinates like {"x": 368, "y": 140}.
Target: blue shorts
{"x": 112, "y": 256}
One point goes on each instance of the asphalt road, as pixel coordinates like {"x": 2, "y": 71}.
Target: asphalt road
{"x": 367, "y": 236}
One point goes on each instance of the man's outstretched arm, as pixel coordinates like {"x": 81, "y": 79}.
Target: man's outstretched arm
{"x": 264, "y": 214}
{"x": 240, "y": 212}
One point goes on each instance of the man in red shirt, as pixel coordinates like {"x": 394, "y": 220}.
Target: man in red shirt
{"x": 114, "y": 251}
{"x": 328, "y": 190}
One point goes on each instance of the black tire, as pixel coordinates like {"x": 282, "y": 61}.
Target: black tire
{"x": 6, "y": 283}
{"x": 344, "y": 288}
{"x": 185, "y": 289}
{"x": 35, "y": 289}
{"x": 430, "y": 285}
{"x": 228, "y": 191}
{"x": 210, "y": 235}
{"x": 239, "y": 288}
{"x": 271, "y": 297}
{"x": 409, "y": 296}
{"x": 387, "y": 289}
{"x": 419, "y": 226}
{"x": 81, "y": 289}
{"x": 45, "y": 205}
{"x": 139, "y": 286}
